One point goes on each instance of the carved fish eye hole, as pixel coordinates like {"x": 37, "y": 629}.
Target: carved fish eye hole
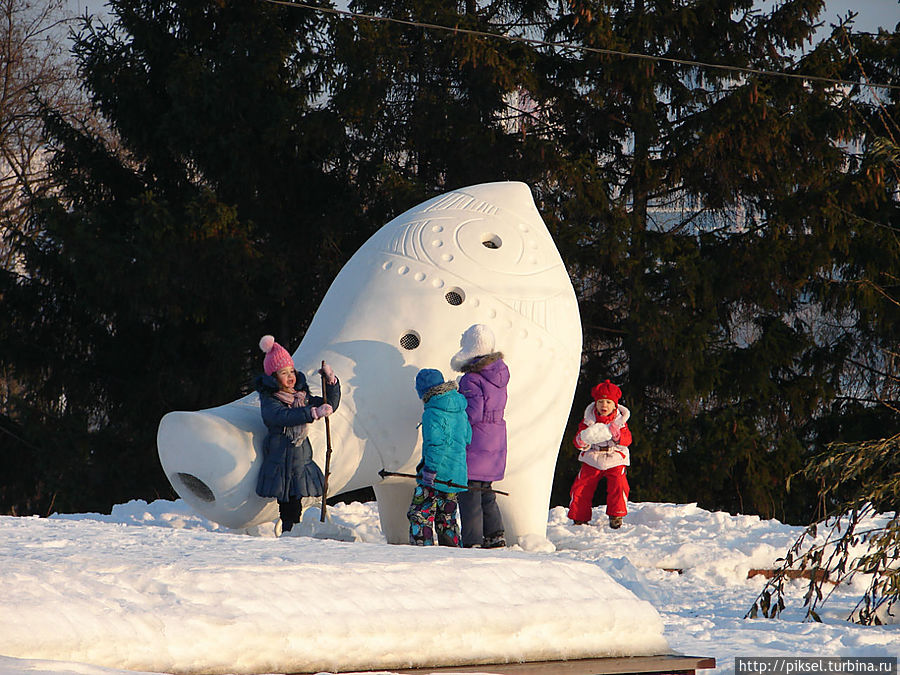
{"x": 410, "y": 340}
{"x": 455, "y": 296}
{"x": 489, "y": 240}
{"x": 197, "y": 487}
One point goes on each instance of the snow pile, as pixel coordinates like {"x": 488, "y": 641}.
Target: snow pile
{"x": 155, "y": 587}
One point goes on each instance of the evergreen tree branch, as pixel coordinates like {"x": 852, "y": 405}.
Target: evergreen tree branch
{"x": 871, "y": 470}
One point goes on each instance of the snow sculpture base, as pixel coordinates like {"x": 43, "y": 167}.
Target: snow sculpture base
{"x": 478, "y": 609}
{"x": 296, "y": 604}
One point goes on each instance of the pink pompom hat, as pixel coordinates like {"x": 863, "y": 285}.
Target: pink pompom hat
{"x": 277, "y": 357}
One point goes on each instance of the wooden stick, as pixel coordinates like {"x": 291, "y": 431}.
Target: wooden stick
{"x": 327, "y": 447}
{"x": 384, "y": 473}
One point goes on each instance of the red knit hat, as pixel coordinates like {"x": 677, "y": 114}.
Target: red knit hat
{"x": 277, "y": 357}
{"x": 608, "y": 390}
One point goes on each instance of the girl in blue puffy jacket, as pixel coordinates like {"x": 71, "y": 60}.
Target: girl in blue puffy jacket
{"x": 441, "y": 474}
{"x": 288, "y": 472}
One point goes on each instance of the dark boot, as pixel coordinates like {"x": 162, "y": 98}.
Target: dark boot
{"x": 290, "y": 513}
{"x": 496, "y": 540}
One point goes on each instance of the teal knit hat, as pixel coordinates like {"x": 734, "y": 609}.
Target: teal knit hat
{"x": 426, "y": 379}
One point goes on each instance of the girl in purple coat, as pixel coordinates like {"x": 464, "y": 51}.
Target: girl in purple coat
{"x": 484, "y": 386}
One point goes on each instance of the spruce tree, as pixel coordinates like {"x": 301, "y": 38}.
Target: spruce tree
{"x": 214, "y": 217}
{"x": 695, "y": 206}
{"x": 856, "y": 531}
{"x": 430, "y": 110}
{"x": 731, "y": 234}
{"x": 713, "y": 213}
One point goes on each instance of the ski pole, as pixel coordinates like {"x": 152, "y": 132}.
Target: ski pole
{"x": 384, "y": 473}
{"x": 327, "y": 447}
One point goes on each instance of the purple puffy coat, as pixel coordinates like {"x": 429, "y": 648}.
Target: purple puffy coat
{"x": 484, "y": 386}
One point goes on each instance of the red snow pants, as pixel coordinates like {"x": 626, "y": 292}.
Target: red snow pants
{"x": 582, "y": 492}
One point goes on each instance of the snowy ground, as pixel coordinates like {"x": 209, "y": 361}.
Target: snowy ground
{"x": 154, "y": 588}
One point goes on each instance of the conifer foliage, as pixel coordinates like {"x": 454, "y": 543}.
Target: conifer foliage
{"x": 721, "y": 235}
{"x": 859, "y": 537}
{"x": 162, "y": 257}
{"x": 732, "y": 235}
{"x": 427, "y": 110}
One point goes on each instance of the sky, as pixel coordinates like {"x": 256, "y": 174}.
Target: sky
{"x": 872, "y": 13}
{"x": 154, "y": 588}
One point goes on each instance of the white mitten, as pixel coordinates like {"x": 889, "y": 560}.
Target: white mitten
{"x": 596, "y": 433}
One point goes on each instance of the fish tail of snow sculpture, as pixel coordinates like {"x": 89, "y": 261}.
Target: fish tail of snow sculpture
{"x": 480, "y": 254}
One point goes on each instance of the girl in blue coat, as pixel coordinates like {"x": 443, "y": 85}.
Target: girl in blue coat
{"x": 441, "y": 474}
{"x": 288, "y": 471}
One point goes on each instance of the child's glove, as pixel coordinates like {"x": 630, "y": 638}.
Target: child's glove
{"x": 328, "y": 373}
{"x": 323, "y": 410}
{"x": 596, "y": 433}
{"x": 428, "y": 477}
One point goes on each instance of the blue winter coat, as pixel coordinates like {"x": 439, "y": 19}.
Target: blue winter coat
{"x": 484, "y": 386}
{"x": 445, "y": 434}
{"x": 288, "y": 470}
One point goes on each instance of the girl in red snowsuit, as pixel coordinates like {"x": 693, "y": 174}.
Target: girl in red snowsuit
{"x": 603, "y": 438}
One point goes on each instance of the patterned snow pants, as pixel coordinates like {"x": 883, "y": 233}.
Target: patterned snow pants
{"x": 433, "y": 511}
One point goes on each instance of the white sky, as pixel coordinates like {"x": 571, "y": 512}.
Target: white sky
{"x": 872, "y": 13}
{"x": 156, "y": 588}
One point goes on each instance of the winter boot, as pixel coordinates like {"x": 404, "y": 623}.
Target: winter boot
{"x": 495, "y": 540}
{"x": 615, "y": 522}
{"x": 579, "y": 522}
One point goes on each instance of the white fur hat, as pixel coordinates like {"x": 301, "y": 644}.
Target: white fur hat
{"x": 477, "y": 340}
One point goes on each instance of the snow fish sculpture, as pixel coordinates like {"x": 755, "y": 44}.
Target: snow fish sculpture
{"x": 480, "y": 254}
